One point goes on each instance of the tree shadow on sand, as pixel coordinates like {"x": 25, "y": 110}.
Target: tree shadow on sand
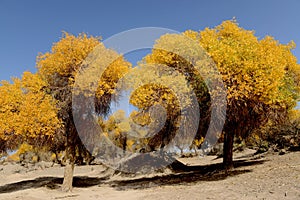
{"x": 50, "y": 183}
{"x": 181, "y": 175}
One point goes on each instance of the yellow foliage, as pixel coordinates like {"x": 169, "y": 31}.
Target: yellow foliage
{"x": 261, "y": 76}
{"x": 140, "y": 118}
{"x": 198, "y": 142}
{"x": 115, "y": 125}
{"x": 10, "y": 102}
{"x": 33, "y": 82}
{"x": 81, "y": 60}
{"x": 26, "y": 110}
{"x": 110, "y": 77}
{"x": 24, "y": 148}
{"x": 294, "y": 115}
{"x": 15, "y": 157}
{"x": 66, "y": 55}
{"x": 152, "y": 83}
{"x": 53, "y": 157}
{"x": 35, "y": 159}
{"x": 251, "y": 68}
{"x": 130, "y": 144}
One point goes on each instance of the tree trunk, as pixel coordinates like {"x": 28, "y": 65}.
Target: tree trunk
{"x": 70, "y": 156}
{"x": 228, "y": 150}
{"x": 68, "y": 176}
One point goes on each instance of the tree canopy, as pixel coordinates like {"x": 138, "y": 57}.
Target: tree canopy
{"x": 28, "y": 112}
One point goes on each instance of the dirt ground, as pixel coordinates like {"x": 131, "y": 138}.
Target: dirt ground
{"x": 264, "y": 176}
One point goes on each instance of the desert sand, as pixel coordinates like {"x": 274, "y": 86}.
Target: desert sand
{"x": 263, "y": 176}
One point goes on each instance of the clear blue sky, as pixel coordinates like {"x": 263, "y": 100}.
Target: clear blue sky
{"x": 28, "y": 27}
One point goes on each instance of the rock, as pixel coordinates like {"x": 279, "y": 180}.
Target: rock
{"x": 282, "y": 152}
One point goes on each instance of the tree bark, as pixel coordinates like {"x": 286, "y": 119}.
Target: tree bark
{"x": 68, "y": 176}
{"x": 228, "y": 150}
{"x": 70, "y": 156}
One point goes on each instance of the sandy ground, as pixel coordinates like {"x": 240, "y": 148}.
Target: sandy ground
{"x": 267, "y": 176}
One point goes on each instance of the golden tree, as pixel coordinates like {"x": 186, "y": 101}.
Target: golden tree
{"x": 59, "y": 69}
{"x": 28, "y": 112}
{"x": 261, "y": 77}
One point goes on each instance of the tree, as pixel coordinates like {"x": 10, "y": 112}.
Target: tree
{"x": 284, "y": 134}
{"x": 179, "y": 76}
{"x": 11, "y": 98}
{"x": 116, "y": 128}
{"x": 159, "y": 104}
{"x": 261, "y": 77}
{"x": 59, "y": 69}
{"x": 27, "y": 112}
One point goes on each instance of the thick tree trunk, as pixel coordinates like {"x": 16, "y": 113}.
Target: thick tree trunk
{"x": 228, "y": 150}
{"x": 68, "y": 176}
{"x": 70, "y": 156}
